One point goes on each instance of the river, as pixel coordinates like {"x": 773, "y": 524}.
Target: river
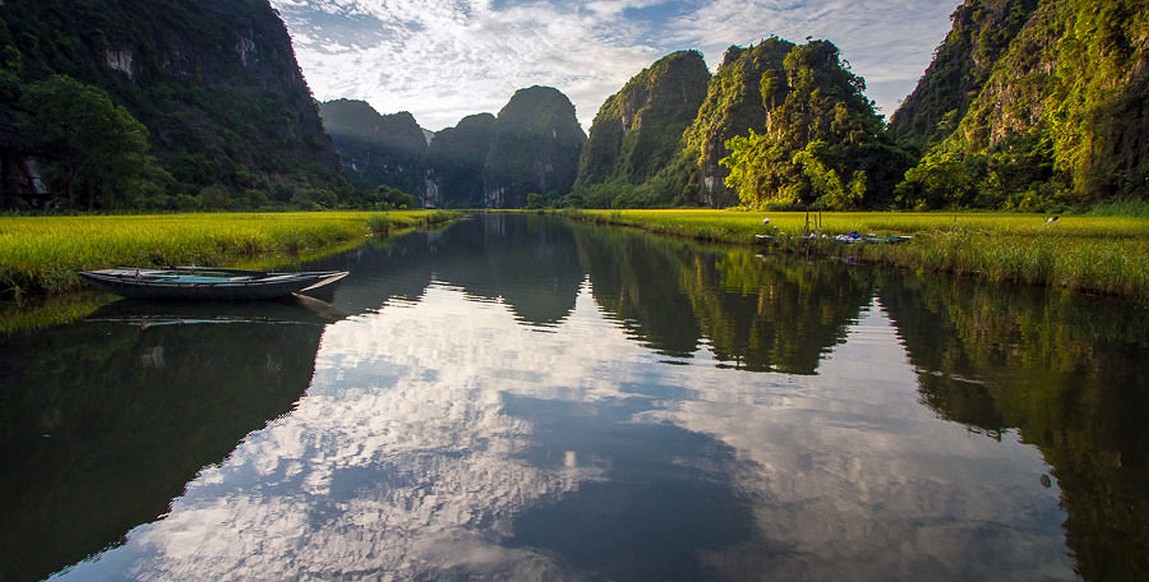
{"x": 519, "y": 397}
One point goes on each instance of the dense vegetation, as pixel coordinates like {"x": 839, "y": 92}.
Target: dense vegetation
{"x": 1028, "y": 104}
{"x": 1059, "y": 121}
{"x": 186, "y": 104}
{"x": 636, "y": 136}
{"x": 734, "y": 104}
{"x": 981, "y": 32}
{"x": 823, "y": 146}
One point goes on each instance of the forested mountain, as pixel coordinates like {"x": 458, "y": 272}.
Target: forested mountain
{"x": 1060, "y": 120}
{"x": 377, "y": 149}
{"x": 777, "y": 124}
{"x": 163, "y": 104}
{"x": 637, "y": 134}
{"x": 532, "y": 147}
{"x": 455, "y": 158}
{"x": 1028, "y": 104}
{"x": 183, "y": 104}
{"x": 822, "y": 144}
{"x": 981, "y": 32}
{"x": 535, "y": 146}
{"x": 734, "y": 103}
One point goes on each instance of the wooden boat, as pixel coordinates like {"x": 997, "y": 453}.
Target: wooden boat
{"x": 202, "y": 283}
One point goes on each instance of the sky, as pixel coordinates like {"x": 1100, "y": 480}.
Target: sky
{"x": 445, "y": 59}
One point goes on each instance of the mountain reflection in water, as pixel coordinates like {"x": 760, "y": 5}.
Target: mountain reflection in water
{"x": 104, "y": 421}
{"x": 499, "y": 404}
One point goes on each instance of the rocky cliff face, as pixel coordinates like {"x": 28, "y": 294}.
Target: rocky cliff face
{"x": 734, "y": 103}
{"x": 455, "y": 159}
{"x": 377, "y": 149}
{"x": 215, "y": 83}
{"x": 982, "y": 32}
{"x": 1061, "y": 118}
{"x": 483, "y": 162}
{"x": 638, "y": 130}
{"x": 535, "y": 145}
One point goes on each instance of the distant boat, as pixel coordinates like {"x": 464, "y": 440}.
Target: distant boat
{"x": 202, "y": 283}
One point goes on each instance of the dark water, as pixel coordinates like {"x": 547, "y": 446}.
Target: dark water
{"x": 516, "y": 398}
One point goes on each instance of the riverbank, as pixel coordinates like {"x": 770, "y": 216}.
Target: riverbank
{"x": 1099, "y": 254}
{"x": 40, "y": 256}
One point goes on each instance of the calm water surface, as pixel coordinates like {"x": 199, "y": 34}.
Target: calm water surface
{"x": 518, "y": 398}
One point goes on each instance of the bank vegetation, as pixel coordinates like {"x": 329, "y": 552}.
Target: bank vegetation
{"x": 40, "y": 255}
{"x": 1087, "y": 253}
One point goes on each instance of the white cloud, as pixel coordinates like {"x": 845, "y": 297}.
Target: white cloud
{"x": 445, "y": 59}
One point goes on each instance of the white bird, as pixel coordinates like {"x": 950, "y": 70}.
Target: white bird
{"x": 766, "y": 220}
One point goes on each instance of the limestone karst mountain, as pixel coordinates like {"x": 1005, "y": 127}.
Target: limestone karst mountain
{"x": 215, "y": 86}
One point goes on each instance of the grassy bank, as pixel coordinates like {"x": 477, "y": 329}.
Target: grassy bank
{"x": 40, "y": 255}
{"x": 1104, "y": 254}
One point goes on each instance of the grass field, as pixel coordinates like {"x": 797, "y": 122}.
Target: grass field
{"x": 1104, "y": 254}
{"x": 1107, "y": 254}
{"x": 41, "y": 255}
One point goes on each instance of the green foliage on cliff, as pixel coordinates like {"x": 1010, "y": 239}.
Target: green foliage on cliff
{"x": 376, "y": 149}
{"x": 822, "y": 146}
{"x": 1060, "y": 120}
{"x": 734, "y": 104}
{"x": 637, "y": 134}
{"x": 215, "y": 84}
{"x": 981, "y": 32}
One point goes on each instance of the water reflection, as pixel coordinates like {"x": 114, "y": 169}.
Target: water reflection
{"x": 782, "y": 315}
{"x": 1069, "y": 374}
{"x": 530, "y": 265}
{"x": 894, "y": 427}
{"x": 104, "y": 421}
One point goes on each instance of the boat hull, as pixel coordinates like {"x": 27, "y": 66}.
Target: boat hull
{"x": 207, "y": 284}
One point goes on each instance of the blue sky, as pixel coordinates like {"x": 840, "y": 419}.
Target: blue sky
{"x": 445, "y": 59}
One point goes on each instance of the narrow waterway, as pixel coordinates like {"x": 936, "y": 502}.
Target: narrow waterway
{"x": 523, "y": 398}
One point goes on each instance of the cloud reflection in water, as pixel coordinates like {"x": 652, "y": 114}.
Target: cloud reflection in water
{"x": 443, "y": 439}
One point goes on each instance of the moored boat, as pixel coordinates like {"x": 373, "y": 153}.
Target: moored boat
{"x": 203, "y": 283}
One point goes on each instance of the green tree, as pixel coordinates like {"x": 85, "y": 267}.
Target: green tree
{"x": 99, "y": 152}
{"x": 822, "y": 146}
{"x": 389, "y": 197}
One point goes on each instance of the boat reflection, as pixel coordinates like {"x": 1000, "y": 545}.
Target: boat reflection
{"x": 105, "y": 420}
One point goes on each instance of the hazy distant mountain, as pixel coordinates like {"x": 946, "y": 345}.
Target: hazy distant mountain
{"x": 455, "y": 159}
{"x": 377, "y": 149}
{"x": 535, "y": 146}
{"x": 484, "y": 162}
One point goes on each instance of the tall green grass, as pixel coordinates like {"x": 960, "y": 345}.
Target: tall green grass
{"x": 1122, "y": 208}
{"x": 1105, "y": 254}
{"x": 41, "y": 255}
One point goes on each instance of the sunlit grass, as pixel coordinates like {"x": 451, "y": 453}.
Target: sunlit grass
{"x": 1108, "y": 254}
{"x": 42, "y": 254}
